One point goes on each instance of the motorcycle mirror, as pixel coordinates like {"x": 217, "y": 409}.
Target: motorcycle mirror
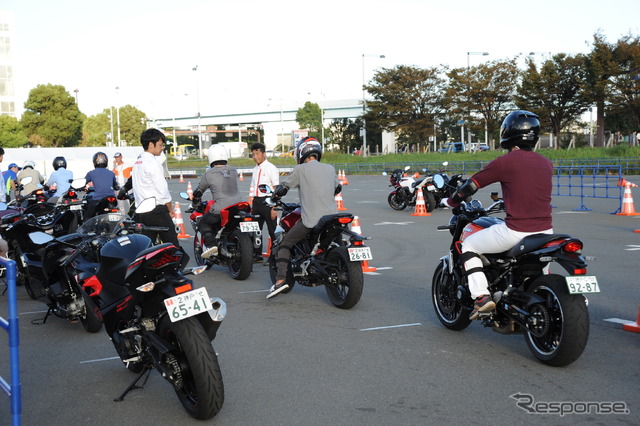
{"x": 407, "y": 167}
{"x": 40, "y": 238}
{"x": 384, "y": 173}
{"x": 184, "y": 196}
{"x": 78, "y": 183}
{"x": 3, "y": 206}
{"x": 264, "y": 189}
{"x": 424, "y": 170}
{"x": 438, "y": 180}
{"x": 446, "y": 163}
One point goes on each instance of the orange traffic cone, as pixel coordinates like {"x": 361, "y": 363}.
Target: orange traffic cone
{"x": 267, "y": 253}
{"x": 344, "y": 178}
{"x": 421, "y": 206}
{"x": 633, "y": 327}
{"x": 340, "y": 177}
{"x": 179, "y": 222}
{"x": 181, "y": 178}
{"x": 251, "y": 189}
{"x": 355, "y": 227}
{"x": 190, "y": 191}
{"x": 339, "y": 202}
{"x": 241, "y": 177}
{"x": 627, "y": 201}
{"x": 624, "y": 182}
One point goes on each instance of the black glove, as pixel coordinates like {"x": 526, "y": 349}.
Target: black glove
{"x": 122, "y": 194}
{"x": 280, "y": 191}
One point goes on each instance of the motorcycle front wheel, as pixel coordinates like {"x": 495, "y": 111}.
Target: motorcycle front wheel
{"x": 430, "y": 201}
{"x": 241, "y": 259}
{"x": 346, "y": 277}
{"x": 198, "y": 380}
{"x": 397, "y": 201}
{"x": 449, "y": 309}
{"x": 559, "y": 328}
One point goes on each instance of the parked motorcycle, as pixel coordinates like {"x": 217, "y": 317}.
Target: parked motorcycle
{"x": 550, "y": 309}
{"x": 237, "y": 235}
{"x": 406, "y": 188}
{"x": 152, "y": 313}
{"x": 331, "y": 255}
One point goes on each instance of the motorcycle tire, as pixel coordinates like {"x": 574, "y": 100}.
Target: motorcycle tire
{"x": 397, "y": 201}
{"x": 201, "y": 392}
{"x": 451, "y": 312}
{"x": 348, "y": 279}
{"x": 273, "y": 271}
{"x": 197, "y": 251}
{"x": 430, "y": 201}
{"x": 241, "y": 260}
{"x": 562, "y": 324}
{"x": 90, "y": 321}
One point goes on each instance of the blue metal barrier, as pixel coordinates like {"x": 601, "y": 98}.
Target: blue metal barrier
{"x": 13, "y": 390}
{"x": 597, "y": 181}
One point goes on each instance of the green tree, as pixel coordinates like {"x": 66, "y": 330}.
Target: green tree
{"x": 406, "y": 101}
{"x": 52, "y": 117}
{"x": 310, "y": 117}
{"x": 624, "y": 100}
{"x": 11, "y": 133}
{"x": 132, "y": 124}
{"x": 555, "y": 92}
{"x": 344, "y": 132}
{"x": 481, "y": 95}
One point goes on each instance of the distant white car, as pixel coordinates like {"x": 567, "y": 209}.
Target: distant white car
{"x": 271, "y": 153}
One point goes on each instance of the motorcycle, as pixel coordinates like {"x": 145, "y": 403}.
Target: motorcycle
{"x": 108, "y": 204}
{"x": 549, "y": 309}
{"x": 406, "y": 188}
{"x": 330, "y": 255}
{"x": 236, "y": 237}
{"x": 445, "y": 186}
{"x": 152, "y": 313}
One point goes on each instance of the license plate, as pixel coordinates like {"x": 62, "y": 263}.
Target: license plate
{"x": 431, "y": 188}
{"x": 188, "y": 304}
{"x": 75, "y": 207}
{"x": 249, "y": 227}
{"x": 582, "y": 284}
{"x": 357, "y": 254}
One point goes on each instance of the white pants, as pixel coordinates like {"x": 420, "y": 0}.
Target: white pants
{"x": 495, "y": 239}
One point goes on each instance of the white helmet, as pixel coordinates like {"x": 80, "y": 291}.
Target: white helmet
{"x": 217, "y": 153}
{"x": 29, "y": 163}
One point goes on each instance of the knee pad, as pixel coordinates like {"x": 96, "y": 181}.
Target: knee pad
{"x": 469, "y": 256}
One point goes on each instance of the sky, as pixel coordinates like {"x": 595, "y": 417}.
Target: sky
{"x": 257, "y": 55}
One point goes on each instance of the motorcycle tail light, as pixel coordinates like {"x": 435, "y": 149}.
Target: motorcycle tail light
{"x": 580, "y": 271}
{"x": 183, "y": 288}
{"x": 164, "y": 259}
{"x": 358, "y": 243}
{"x": 111, "y": 199}
{"x": 248, "y": 219}
{"x": 345, "y": 219}
{"x": 573, "y": 247}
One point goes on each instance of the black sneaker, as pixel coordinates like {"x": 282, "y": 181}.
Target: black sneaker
{"x": 482, "y": 304}
{"x": 277, "y": 289}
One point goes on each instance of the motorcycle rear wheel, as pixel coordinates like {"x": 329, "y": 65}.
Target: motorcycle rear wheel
{"x": 241, "y": 260}
{"x": 562, "y": 323}
{"x": 349, "y": 280}
{"x": 397, "y": 201}
{"x": 202, "y": 390}
{"x": 449, "y": 310}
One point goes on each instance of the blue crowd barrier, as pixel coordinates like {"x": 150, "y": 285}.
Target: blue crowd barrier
{"x": 596, "y": 181}
{"x": 12, "y": 390}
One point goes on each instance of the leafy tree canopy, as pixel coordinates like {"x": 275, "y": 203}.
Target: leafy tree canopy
{"x": 11, "y": 133}
{"x": 310, "y": 117}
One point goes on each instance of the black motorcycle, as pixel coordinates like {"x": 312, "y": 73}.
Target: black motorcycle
{"x": 445, "y": 186}
{"x": 331, "y": 255}
{"x": 550, "y": 309}
{"x": 152, "y": 313}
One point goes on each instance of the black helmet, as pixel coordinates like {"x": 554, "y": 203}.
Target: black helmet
{"x": 59, "y": 162}
{"x": 520, "y": 128}
{"x": 100, "y": 160}
{"x": 306, "y": 147}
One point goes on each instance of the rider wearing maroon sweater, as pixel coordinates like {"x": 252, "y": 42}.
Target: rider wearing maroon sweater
{"x": 525, "y": 178}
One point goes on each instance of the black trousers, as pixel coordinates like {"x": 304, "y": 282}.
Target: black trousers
{"x": 261, "y": 208}
{"x": 295, "y": 234}
{"x": 208, "y": 226}
{"x": 159, "y": 217}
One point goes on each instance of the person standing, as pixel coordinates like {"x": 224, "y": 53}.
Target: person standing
{"x": 265, "y": 173}
{"x": 148, "y": 181}
{"x": 10, "y": 176}
{"x": 123, "y": 173}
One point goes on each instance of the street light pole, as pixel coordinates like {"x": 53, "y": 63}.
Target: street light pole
{"x": 198, "y": 102}
{"x": 364, "y": 104}
{"x": 118, "y": 114}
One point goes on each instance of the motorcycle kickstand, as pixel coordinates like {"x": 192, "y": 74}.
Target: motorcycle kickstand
{"x": 134, "y": 384}
{"x": 41, "y": 321}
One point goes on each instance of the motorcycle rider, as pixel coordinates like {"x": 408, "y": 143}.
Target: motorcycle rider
{"x": 525, "y": 178}
{"x": 61, "y": 178}
{"x": 318, "y": 184}
{"x": 265, "y": 173}
{"x": 103, "y": 179}
{"x": 222, "y": 180}
{"x": 28, "y": 170}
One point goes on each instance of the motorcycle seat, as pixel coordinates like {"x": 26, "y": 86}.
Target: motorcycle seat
{"x": 324, "y": 220}
{"x": 533, "y": 242}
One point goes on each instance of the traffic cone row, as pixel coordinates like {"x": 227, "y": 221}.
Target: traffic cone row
{"x": 633, "y": 327}
{"x": 342, "y": 177}
{"x": 181, "y": 178}
{"x": 177, "y": 220}
{"x": 421, "y": 206}
{"x": 339, "y": 203}
{"x": 627, "y": 200}
{"x": 190, "y": 191}
{"x": 355, "y": 227}
{"x": 241, "y": 177}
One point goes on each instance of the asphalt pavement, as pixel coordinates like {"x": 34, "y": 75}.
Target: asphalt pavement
{"x": 298, "y": 360}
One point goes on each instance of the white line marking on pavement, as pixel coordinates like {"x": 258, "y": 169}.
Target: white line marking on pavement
{"x": 99, "y": 360}
{"x": 34, "y": 312}
{"x": 253, "y": 291}
{"x": 632, "y": 247}
{"x": 620, "y": 321}
{"x": 391, "y": 326}
{"x": 569, "y": 212}
{"x": 393, "y": 223}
